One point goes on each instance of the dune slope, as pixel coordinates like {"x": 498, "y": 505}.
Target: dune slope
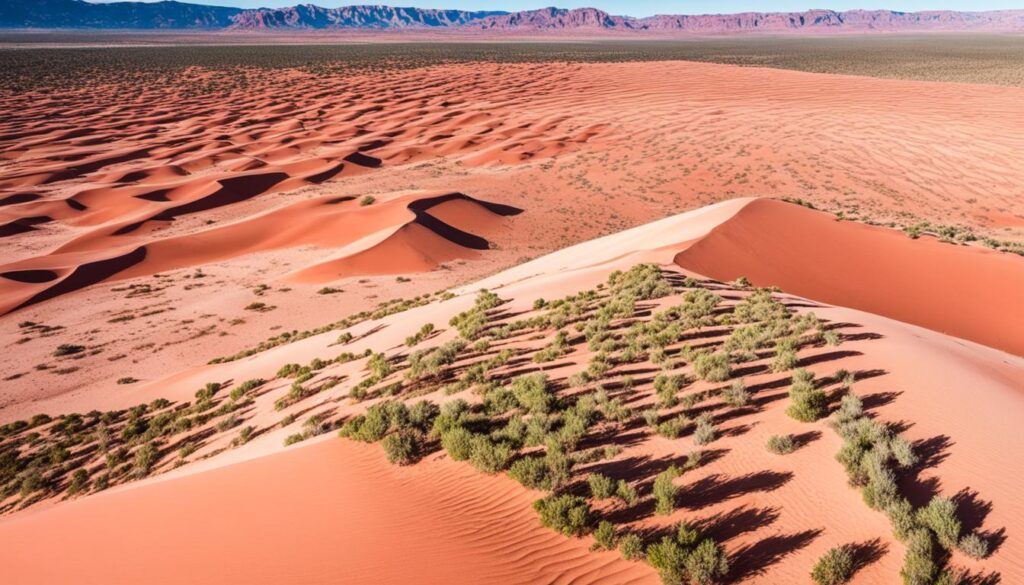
{"x": 963, "y": 291}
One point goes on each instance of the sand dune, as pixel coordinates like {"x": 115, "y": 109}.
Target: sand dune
{"x": 963, "y": 291}
{"x": 403, "y": 233}
{"x": 775, "y": 515}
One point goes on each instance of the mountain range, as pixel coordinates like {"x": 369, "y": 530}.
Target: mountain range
{"x": 178, "y": 15}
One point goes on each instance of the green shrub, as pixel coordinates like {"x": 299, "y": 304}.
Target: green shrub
{"x": 458, "y": 443}
{"x": 294, "y": 438}
{"x": 601, "y": 486}
{"x": 569, "y": 515}
{"x": 631, "y": 547}
{"x": 145, "y": 457}
{"x": 939, "y": 516}
{"x": 626, "y": 493}
{"x": 781, "y": 444}
{"x": 707, "y": 563}
{"x": 919, "y": 566}
{"x": 530, "y": 471}
{"x": 488, "y": 456}
{"x": 665, "y": 491}
{"x": 404, "y": 447}
{"x": 736, "y": 395}
{"x": 80, "y": 482}
{"x": 605, "y": 537}
{"x": 713, "y": 367}
{"x": 834, "y": 567}
{"x": 367, "y": 200}
{"x": 785, "y": 360}
{"x": 706, "y": 432}
{"x": 807, "y": 403}
{"x": 666, "y": 387}
{"x": 973, "y": 546}
{"x": 669, "y": 559}
{"x": 533, "y": 393}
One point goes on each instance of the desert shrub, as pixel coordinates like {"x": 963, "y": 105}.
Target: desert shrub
{"x": 807, "y": 403}
{"x": 127, "y": 380}
{"x": 422, "y": 415}
{"x": 631, "y": 547}
{"x": 80, "y": 482}
{"x": 379, "y": 366}
{"x": 668, "y": 557}
{"x": 556, "y": 349}
{"x": 705, "y": 432}
{"x": 431, "y": 363}
{"x": 785, "y": 360}
{"x": 666, "y": 387}
{"x": 489, "y": 456}
{"x": 626, "y": 493}
{"x": 781, "y": 444}
{"x": 601, "y": 486}
{"x": 145, "y": 457}
{"x": 673, "y": 427}
{"x": 939, "y": 516}
{"x": 901, "y": 515}
{"x": 713, "y": 367}
{"x": 605, "y": 536}
{"x": 707, "y": 563}
{"x": 569, "y": 515}
{"x": 404, "y": 447}
{"x": 367, "y": 200}
{"x": 533, "y": 393}
{"x": 919, "y": 566}
{"x": 736, "y": 395}
{"x": 458, "y": 443}
{"x": 530, "y": 471}
{"x": 834, "y": 567}
{"x": 294, "y": 438}
{"x": 665, "y": 491}
{"x": 973, "y": 546}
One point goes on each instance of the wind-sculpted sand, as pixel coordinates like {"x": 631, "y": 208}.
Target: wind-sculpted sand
{"x": 168, "y": 271}
{"x": 336, "y": 510}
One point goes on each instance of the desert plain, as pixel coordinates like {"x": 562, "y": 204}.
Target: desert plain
{"x": 215, "y": 259}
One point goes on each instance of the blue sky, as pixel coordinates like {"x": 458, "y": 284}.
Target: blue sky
{"x": 649, "y": 7}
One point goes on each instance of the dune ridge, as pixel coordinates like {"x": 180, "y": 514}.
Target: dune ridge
{"x": 401, "y": 234}
{"x": 769, "y": 512}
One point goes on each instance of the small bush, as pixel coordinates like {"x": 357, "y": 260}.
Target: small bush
{"x": 706, "y": 432}
{"x": 126, "y": 380}
{"x": 736, "y": 395}
{"x": 781, "y": 444}
{"x": 665, "y": 491}
{"x": 807, "y": 403}
{"x": 973, "y": 546}
{"x": 601, "y": 486}
{"x": 458, "y": 443}
{"x": 713, "y": 367}
{"x": 605, "y": 537}
{"x": 404, "y": 447}
{"x": 631, "y": 547}
{"x": 919, "y": 566}
{"x": 626, "y": 493}
{"x": 569, "y": 515}
{"x": 489, "y": 456}
{"x": 669, "y": 559}
{"x": 368, "y": 200}
{"x": 939, "y": 516}
{"x": 707, "y": 563}
{"x": 834, "y": 567}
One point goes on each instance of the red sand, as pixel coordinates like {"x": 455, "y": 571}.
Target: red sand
{"x": 966, "y": 292}
{"x": 242, "y": 188}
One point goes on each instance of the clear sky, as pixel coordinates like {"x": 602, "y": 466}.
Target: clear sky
{"x": 649, "y": 7}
